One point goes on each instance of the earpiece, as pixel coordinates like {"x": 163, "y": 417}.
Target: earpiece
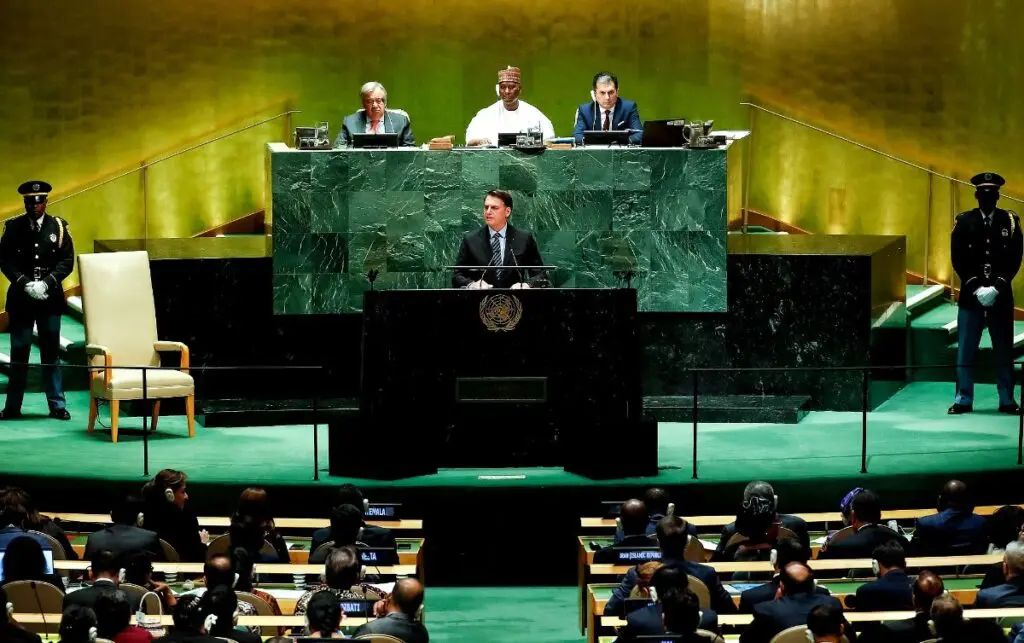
{"x": 209, "y": 622}
{"x": 775, "y": 499}
{"x": 618, "y": 524}
{"x": 359, "y": 535}
{"x": 169, "y": 494}
{"x": 875, "y": 567}
{"x": 671, "y": 510}
{"x": 234, "y": 618}
{"x": 362, "y": 571}
{"x": 497, "y": 91}
{"x": 810, "y": 636}
{"x": 140, "y": 519}
{"x": 774, "y": 557}
{"x": 654, "y": 593}
{"x": 593, "y": 96}
{"x": 366, "y": 505}
{"x": 121, "y": 575}
{"x": 93, "y": 633}
{"x": 235, "y": 584}
{"x": 931, "y": 627}
{"x": 10, "y": 610}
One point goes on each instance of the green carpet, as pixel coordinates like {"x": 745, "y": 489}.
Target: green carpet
{"x": 502, "y": 615}
{"x": 908, "y": 435}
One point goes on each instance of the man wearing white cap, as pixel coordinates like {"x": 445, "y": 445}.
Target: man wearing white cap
{"x": 509, "y": 114}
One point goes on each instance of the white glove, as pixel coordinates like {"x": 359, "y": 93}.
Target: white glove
{"x": 473, "y": 285}
{"x": 986, "y": 295}
{"x": 484, "y": 285}
{"x": 520, "y": 286}
{"x": 36, "y": 290}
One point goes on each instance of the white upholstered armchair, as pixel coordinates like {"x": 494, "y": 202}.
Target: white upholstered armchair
{"x": 120, "y": 330}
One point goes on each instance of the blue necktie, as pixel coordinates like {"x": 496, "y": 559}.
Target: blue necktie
{"x": 496, "y": 258}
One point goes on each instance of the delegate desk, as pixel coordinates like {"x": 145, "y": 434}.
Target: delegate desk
{"x": 405, "y": 524}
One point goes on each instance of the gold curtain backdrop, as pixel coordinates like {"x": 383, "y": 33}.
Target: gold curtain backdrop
{"x": 91, "y": 89}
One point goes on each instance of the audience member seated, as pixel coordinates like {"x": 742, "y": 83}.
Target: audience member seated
{"x": 865, "y": 516}
{"x": 1010, "y": 593}
{"x": 787, "y": 551}
{"x": 400, "y": 611}
{"x": 757, "y": 530}
{"x": 659, "y": 504}
{"x": 77, "y": 625}
{"x": 955, "y": 530}
{"x": 891, "y": 591}
{"x": 947, "y": 617}
{"x": 672, "y": 538}
{"x": 247, "y": 533}
{"x": 219, "y": 571}
{"x": 1005, "y": 525}
{"x": 10, "y": 631}
{"x": 20, "y": 502}
{"x": 188, "y": 624}
{"x": 346, "y": 531}
{"x": 113, "y": 619}
{"x": 242, "y": 565}
{"x": 796, "y": 600}
{"x": 24, "y": 560}
{"x": 219, "y": 607}
{"x": 323, "y": 614}
{"x": 12, "y": 519}
{"x": 633, "y": 517}
{"x": 764, "y": 490}
{"x": 126, "y": 535}
{"x": 103, "y": 572}
{"x": 681, "y": 614}
{"x": 254, "y": 504}
{"x": 165, "y": 498}
{"x": 373, "y": 536}
{"x": 826, "y": 624}
{"x": 927, "y": 587}
{"x": 342, "y": 577}
{"x": 644, "y": 579}
{"x": 138, "y": 570}
{"x": 649, "y": 620}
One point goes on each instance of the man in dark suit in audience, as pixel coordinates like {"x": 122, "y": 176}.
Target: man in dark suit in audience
{"x": 1011, "y": 593}
{"x": 796, "y": 600}
{"x": 648, "y": 621}
{"x": 891, "y": 591}
{"x": 955, "y": 531}
{"x": 659, "y": 504}
{"x": 764, "y": 490}
{"x": 400, "y": 620}
{"x": 372, "y": 536}
{"x": 825, "y": 624}
{"x": 634, "y": 518}
{"x": 104, "y": 569}
{"x": 672, "y": 539}
{"x": 865, "y": 518}
{"x": 125, "y": 535}
{"x": 787, "y": 551}
{"x": 927, "y": 587}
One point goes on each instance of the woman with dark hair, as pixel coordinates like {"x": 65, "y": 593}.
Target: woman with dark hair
{"x": 323, "y": 615}
{"x": 138, "y": 570}
{"x": 18, "y": 499}
{"x": 219, "y": 606}
{"x": 24, "y": 560}
{"x": 10, "y": 630}
{"x": 165, "y": 498}
{"x": 77, "y": 625}
{"x": 254, "y": 503}
{"x": 114, "y": 617}
{"x": 188, "y": 623}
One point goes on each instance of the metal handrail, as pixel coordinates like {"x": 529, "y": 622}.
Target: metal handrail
{"x": 147, "y": 165}
{"x": 875, "y": 150}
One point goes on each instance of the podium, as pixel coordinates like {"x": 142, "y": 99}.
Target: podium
{"x": 498, "y": 378}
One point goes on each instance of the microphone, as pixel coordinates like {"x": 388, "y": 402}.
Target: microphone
{"x": 512, "y": 252}
{"x": 39, "y": 604}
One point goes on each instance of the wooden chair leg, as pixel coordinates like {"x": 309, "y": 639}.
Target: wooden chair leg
{"x": 93, "y": 411}
{"x": 190, "y": 413}
{"x": 115, "y": 408}
{"x": 156, "y": 413}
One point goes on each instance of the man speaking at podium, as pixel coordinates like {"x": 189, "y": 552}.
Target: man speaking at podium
{"x": 502, "y": 248}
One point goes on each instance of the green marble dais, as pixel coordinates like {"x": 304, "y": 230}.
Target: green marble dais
{"x": 660, "y": 213}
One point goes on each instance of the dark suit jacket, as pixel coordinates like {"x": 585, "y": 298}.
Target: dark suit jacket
{"x": 86, "y": 597}
{"x": 237, "y": 635}
{"x": 607, "y": 554}
{"x": 14, "y": 634}
{"x": 395, "y": 122}
{"x": 22, "y": 251}
{"x": 774, "y": 616}
{"x": 993, "y": 576}
{"x": 721, "y": 602}
{"x": 950, "y": 533}
{"x": 796, "y": 524}
{"x": 652, "y": 528}
{"x": 646, "y": 621}
{"x": 970, "y": 245}
{"x": 626, "y": 115}
{"x": 373, "y": 536}
{"x": 1009, "y": 594}
{"x": 397, "y": 625}
{"x": 122, "y": 540}
{"x": 180, "y": 528}
{"x": 891, "y": 592}
{"x": 911, "y": 630}
{"x": 520, "y": 250}
{"x": 764, "y": 593}
{"x": 862, "y": 543}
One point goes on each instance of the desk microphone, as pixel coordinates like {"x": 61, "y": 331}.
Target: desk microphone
{"x": 39, "y": 604}
{"x": 512, "y": 252}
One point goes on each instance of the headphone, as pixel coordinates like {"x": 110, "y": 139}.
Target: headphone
{"x": 93, "y": 633}
{"x": 876, "y": 569}
{"x": 121, "y": 575}
{"x": 497, "y": 90}
{"x": 10, "y": 609}
{"x": 773, "y": 557}
{"x": 169, "y": 494}
{"x": 140, "y": 519}
{"x": 141, "y": 616}
{"x": 670, "y": 510}
{"x": 209, "y": 622}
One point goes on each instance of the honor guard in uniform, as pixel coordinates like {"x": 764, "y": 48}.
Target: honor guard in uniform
{"x": 36, "y": 255}
{"x": 986, "y": 247}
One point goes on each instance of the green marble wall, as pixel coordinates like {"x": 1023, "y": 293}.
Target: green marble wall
{"x": 337, "y": 214}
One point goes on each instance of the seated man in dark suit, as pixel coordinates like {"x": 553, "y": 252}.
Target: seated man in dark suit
{"x": 927, "y": 587}
{"x": 826, "y": 624}
{"x": 375, "y": 118}
{"x": 865, "y": 516}
{"x": 125, "y": 536}
{"x": 955, "y": 531}
{"x": 891, "y": 592}
{"x": 796, "y": 600}
{"x": 1011, "y": 593}
{"x": 608, "y": 111}
{"x": 372, "y": 536}
{"x": 947, "y": 617}
{"x": 634, "y": 519}
{"x": 787, "y": 551}
{"x": 650, "y": 620}
{"x": 104, "y": 569}
{"x": 672, "y": 539}
{"x": 501, "y": 245}
{"x": 400, "y": 618}
{"x": 764, "y": 490}
{"x": 659, "y": 504}
{"x": 1003, "y": 526}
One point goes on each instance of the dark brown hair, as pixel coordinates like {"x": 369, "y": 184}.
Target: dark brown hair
{"x": 505, "y": 197}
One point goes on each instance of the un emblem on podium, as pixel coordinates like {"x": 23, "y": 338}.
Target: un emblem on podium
{"x": 500, "y": 312}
